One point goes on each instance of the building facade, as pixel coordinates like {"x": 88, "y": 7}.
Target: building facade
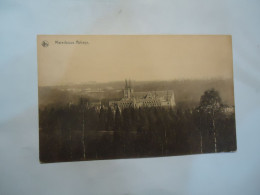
{"x": 144, "y": 99}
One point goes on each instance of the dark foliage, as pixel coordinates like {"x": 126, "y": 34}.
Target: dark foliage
{"x": 76, "y": 132}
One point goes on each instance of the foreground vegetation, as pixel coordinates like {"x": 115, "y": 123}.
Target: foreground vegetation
{"x": 78, "y": 132}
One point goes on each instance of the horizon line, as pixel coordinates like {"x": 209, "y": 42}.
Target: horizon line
{"x": 134, "y": 80}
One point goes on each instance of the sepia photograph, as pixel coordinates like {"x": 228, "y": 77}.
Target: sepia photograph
{"x": 140, "y": 97}
{"x": 134, "y": 96}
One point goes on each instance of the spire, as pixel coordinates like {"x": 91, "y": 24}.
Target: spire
{"x": 130, "y": 84}
{"x": 126, "y": 83}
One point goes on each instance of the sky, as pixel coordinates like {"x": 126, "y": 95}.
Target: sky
{"x": 105, "y": 58}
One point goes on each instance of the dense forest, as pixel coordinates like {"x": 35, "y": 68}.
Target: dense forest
{"x": 79, "y": 132}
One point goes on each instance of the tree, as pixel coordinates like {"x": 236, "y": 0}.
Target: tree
{"x": 210, "y": 100}
{"x": 109, "y": 119}
{"x": 118, "y": 120}
{"x": 102, "y": 119}
{"x": 210, "y": 104}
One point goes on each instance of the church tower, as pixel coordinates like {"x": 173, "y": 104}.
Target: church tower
{"x": 128, "y": 91}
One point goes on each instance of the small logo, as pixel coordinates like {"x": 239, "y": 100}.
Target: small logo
{"x": 45, "y": 43}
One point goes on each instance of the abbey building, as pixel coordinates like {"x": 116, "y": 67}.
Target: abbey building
{"x": 144, "y": 99}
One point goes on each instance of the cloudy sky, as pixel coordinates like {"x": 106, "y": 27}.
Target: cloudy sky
{"x": 114, "y": 58}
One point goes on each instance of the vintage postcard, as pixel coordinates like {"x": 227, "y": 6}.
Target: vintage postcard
{"x": 134, "y": 96}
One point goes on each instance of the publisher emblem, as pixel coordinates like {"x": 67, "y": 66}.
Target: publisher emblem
{"x": 45, "y": 43}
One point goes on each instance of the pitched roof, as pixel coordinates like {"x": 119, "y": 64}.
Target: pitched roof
{"x": 158, "y": 94}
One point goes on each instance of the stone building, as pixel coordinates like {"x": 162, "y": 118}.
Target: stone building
{"x": 144, "y": 99}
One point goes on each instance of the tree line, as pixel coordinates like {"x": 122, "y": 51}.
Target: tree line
{"x": 78, "y": 132}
